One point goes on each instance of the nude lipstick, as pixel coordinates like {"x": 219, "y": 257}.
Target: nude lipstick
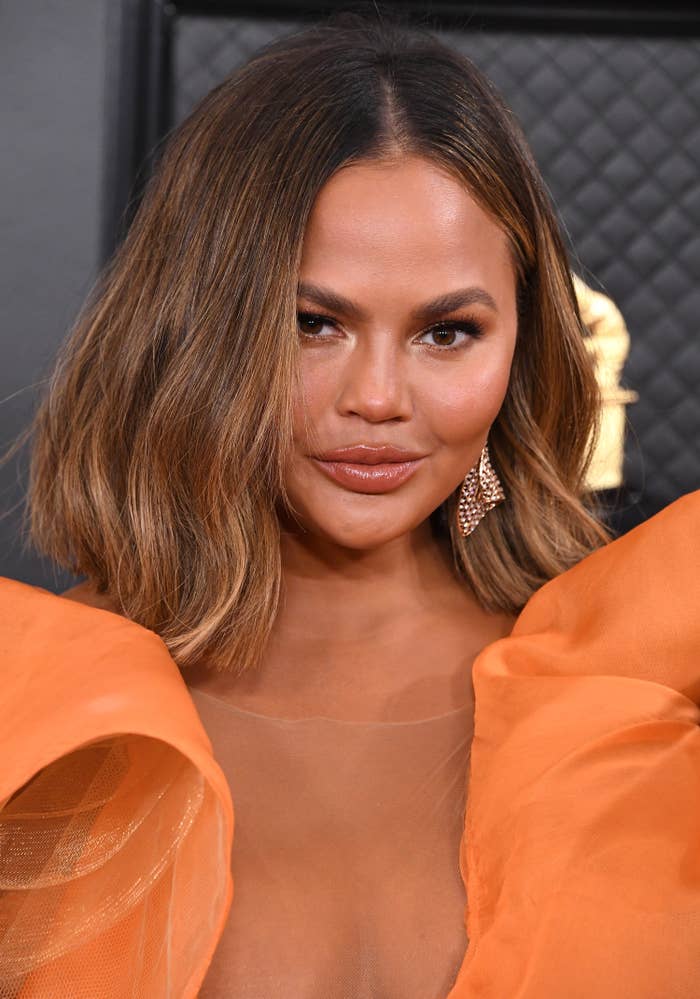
{"x": 371, "y": 469}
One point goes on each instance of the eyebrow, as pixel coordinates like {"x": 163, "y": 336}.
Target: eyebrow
{"x": 448, "y": 302}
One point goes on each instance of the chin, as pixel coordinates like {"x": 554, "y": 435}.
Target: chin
{"x": 360, "y": 540}
{"x": 358, "y": 533}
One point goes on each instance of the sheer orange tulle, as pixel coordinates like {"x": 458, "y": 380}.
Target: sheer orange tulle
{"x": 580, "y": 849}
{"x": 346, "y": 863}
{"x": 95, "y": 850}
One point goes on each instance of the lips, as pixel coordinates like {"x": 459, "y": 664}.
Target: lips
{"x": 368, "y": 469}
{"x": 370, "y": 454}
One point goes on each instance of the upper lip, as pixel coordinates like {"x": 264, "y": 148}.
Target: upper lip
{"x": 369, "y": 454}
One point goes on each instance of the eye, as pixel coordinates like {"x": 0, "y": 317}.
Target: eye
{"x": 310, "y": 324}
{"x": 446, "y": 336}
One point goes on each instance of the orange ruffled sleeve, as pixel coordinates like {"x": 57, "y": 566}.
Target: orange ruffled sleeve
{"x": 582, "y": 841}
{"x": 116, "y": 822}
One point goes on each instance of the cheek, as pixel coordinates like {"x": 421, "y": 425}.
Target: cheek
{"x": 466, "y": 404}
{"x": 313, "y": 395}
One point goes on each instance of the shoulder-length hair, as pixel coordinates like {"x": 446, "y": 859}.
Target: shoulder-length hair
{"x": 156, "y": 468}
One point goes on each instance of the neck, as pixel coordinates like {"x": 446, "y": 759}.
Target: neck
{"x": 358, "y": 629}
{"x": 383, "y": 634}
{"x": 338, "y": 595}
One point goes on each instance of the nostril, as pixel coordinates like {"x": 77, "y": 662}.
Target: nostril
{"x": 375, "y": 398}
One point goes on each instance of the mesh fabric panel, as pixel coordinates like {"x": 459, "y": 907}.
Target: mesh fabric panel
{"x": 346, "y": 859}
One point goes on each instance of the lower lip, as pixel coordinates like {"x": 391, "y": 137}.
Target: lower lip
{"x": 362, "y": 478}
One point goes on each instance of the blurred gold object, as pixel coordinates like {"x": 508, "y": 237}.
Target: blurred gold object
{"x": 608, "y": 344}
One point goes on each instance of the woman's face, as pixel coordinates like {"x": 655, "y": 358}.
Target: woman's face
{"x": 383, "y": 361}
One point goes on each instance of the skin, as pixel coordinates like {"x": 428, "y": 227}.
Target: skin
{"x": 374, "y": 623}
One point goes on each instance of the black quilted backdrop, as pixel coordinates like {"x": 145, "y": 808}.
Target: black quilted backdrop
{"x": 614, "y": 123}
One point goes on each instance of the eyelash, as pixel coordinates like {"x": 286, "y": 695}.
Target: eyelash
{"x": 470, "y": 326}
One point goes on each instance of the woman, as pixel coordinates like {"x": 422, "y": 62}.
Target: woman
{"x": 318, "y": 444}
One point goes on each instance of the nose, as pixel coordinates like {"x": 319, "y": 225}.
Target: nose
{"x": 374, "y": 383}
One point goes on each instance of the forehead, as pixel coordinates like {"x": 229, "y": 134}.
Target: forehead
{"x": 403, "y": 216}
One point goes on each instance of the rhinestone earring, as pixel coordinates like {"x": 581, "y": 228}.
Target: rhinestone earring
{"x": 480, "y": 492}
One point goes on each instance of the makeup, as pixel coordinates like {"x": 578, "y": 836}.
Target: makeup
{"x": 369, "y": 478}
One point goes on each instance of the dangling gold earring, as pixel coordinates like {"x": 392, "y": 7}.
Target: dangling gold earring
{"x": 480, "y": 492}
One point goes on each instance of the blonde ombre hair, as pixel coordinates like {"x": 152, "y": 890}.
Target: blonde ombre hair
{"x": 158, "y": 449}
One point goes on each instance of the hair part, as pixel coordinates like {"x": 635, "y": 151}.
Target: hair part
{"x": 159, "y": 447}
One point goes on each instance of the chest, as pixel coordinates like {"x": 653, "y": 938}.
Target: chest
{"x": 345, "y": 857}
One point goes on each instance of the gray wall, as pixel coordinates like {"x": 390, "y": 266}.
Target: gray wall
{"x": 52, "y": 98}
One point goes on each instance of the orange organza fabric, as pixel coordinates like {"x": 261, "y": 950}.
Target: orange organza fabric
{"x": 580, "y": 852}
{"x": 115, "y": 819}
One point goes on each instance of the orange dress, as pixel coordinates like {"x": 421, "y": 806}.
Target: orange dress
{"x": 580, "y": 852}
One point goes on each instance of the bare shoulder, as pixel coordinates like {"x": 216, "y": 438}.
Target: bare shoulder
{"x": 86, "y": 593}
